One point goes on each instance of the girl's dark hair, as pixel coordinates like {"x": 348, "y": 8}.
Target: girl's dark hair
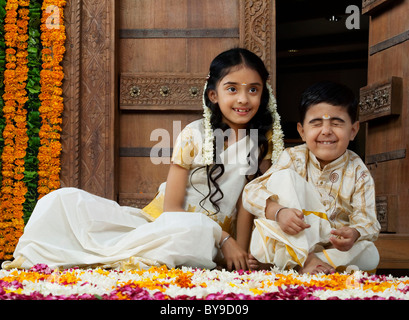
{"x": 262, "y": 121}
{"x": 329, "y": 92}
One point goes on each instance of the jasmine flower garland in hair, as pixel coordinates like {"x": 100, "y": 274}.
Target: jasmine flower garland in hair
{"x": 278, "y": 135}
{"x": 208, "y": 143}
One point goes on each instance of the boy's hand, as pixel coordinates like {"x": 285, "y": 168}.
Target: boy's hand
{"x": 291, "y": 221}
{"x": 345, "y": 238}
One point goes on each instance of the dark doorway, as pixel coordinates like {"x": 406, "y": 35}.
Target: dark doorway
{"x": 315, "y": 42}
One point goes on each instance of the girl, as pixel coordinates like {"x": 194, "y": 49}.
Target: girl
{"x": 210, "y": 166}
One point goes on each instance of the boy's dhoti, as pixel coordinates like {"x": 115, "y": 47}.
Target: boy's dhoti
{"x": 269, "y": 244}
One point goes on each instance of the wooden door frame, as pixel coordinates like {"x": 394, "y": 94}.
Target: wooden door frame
{"x": 388, "y": 118}
{"x": 90, "y": 115}
{"x": 90, "y": 119}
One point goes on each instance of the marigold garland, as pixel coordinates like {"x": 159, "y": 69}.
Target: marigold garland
{"x": 30, "y": 150}
{"x": 53, "y": 38}
{"x": 15, "y": 133}
{"x": 2, "y": 68}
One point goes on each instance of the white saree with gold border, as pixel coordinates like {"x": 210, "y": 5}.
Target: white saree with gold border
{"x": 71, "y": 227}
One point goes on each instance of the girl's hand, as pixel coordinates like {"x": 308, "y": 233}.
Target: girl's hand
{"x": 291, "y": 221}
{"x": 345, "y": 238}
{"x": 234, "y": 256}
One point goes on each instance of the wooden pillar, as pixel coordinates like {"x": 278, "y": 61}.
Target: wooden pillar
{"x": 90, "y": 97}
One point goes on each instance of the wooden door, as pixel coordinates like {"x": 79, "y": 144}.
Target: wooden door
{"x": 165, "y": 49}
{"x": 384, "y": 108}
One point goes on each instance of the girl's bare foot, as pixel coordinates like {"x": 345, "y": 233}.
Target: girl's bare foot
{"x": 314, "y": 265}
{"x": 254, "y": 264}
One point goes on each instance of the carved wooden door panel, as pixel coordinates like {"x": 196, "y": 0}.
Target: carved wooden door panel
{"x": 384, "y": 105}
{"x": 165, "y": 48}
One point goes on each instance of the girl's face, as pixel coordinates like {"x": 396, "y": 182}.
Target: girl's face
{"x": 238, "y": 95}
{"x": 327, "y": 130}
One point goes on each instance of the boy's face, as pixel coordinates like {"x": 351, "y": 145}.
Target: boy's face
{"x": 327, "y": 130}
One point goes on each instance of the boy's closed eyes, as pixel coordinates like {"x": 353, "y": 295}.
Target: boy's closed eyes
{"x": 317, "y": 122}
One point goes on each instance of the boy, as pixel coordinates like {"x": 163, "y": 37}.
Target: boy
{"x": 315, "y": 207}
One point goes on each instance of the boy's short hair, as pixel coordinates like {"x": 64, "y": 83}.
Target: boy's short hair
{"x": 329, "y": 92}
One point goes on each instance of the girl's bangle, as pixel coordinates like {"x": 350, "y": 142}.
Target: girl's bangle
{"x": 224, "y": 241}
{"x": 278, "y": 211}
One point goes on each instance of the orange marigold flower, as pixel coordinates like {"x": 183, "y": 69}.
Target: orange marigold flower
{"x": 10, "y": 27}
{"x": 20, "y": 154}
{"x": 10, "y": 65}
{"x": 10, "y": 51}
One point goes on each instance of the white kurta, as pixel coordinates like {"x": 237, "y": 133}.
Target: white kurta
{"x": 71, "y": 227}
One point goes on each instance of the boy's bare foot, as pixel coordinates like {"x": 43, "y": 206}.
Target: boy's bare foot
{"x": 256, "y": 265}
{"x": 314, "y": 265}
